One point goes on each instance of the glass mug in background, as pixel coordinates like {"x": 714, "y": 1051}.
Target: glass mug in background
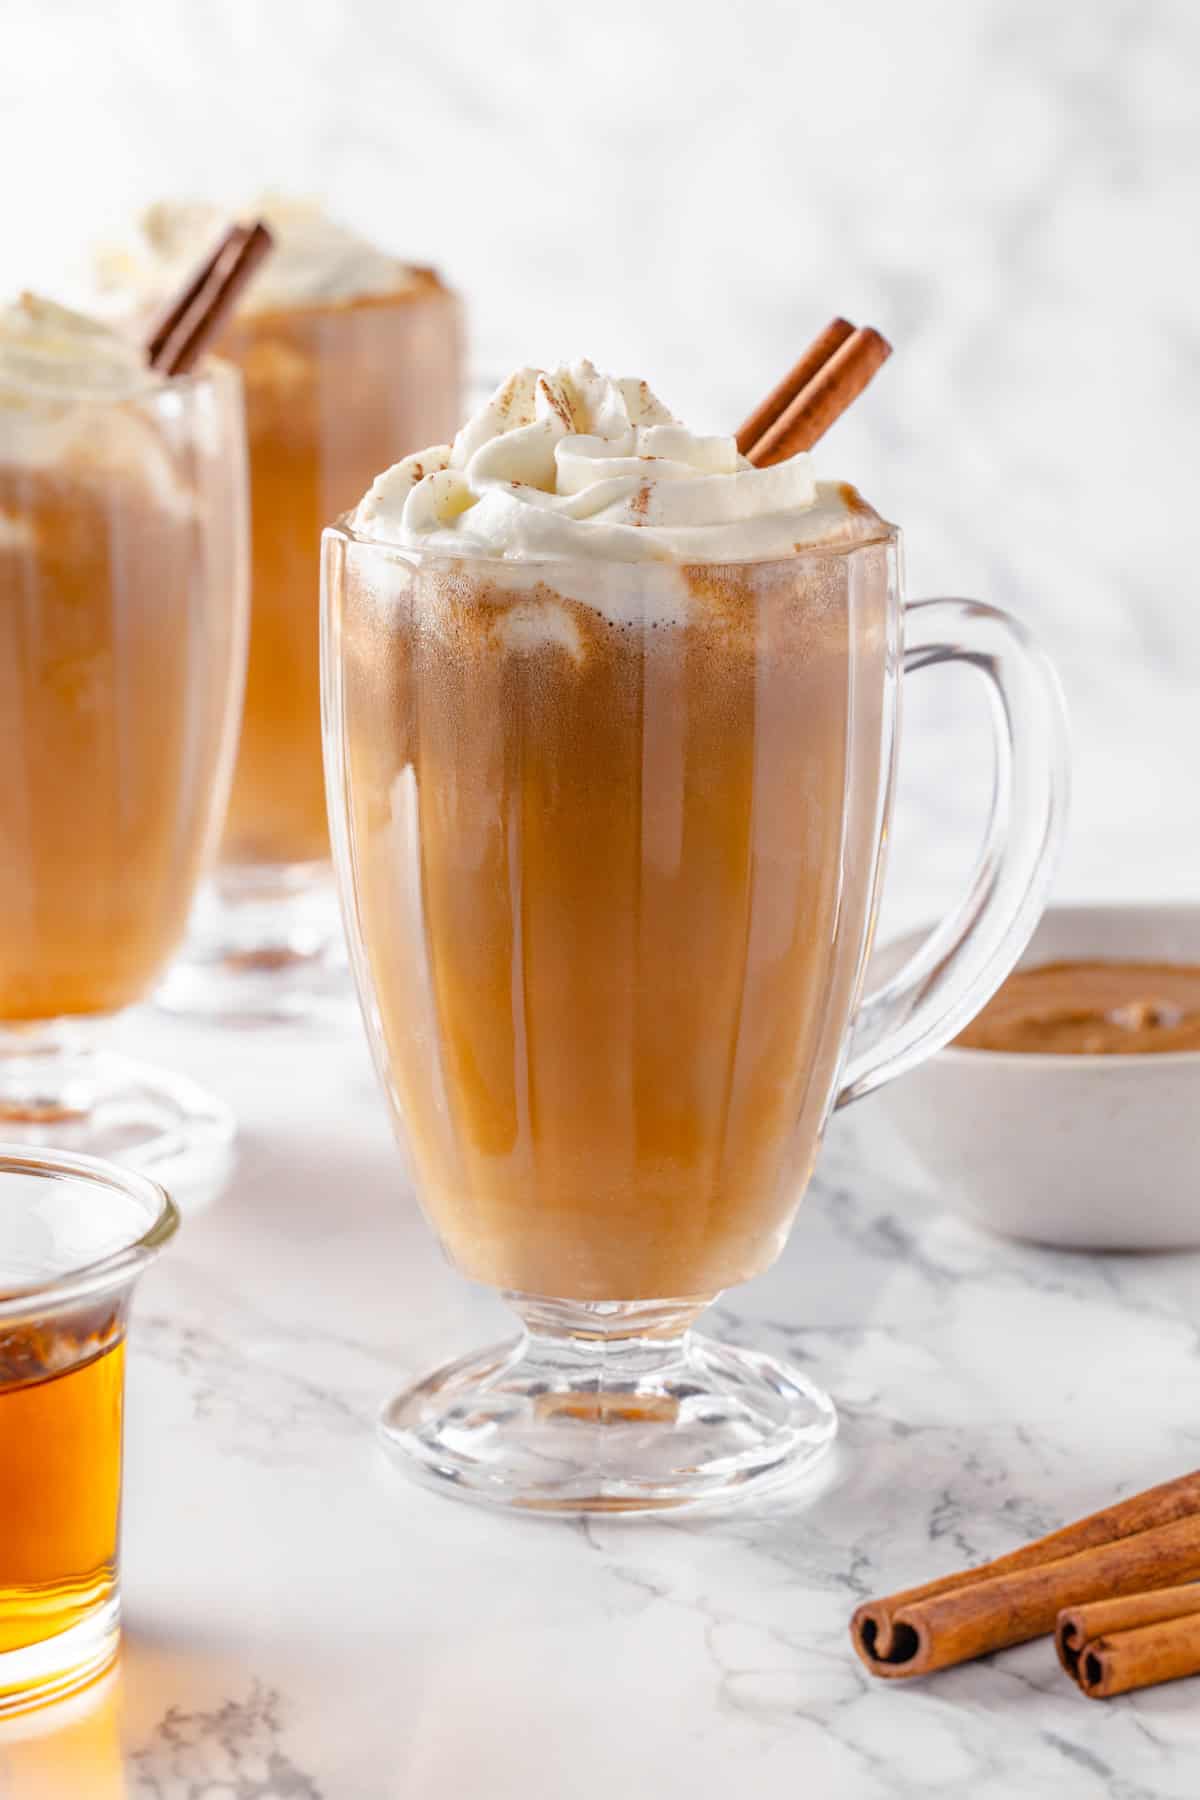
{"x": 267, "y": 939}
{"x": 610, "y": 838}
{"x": 123, "y": 607}
{"x": 75, "y": 1235}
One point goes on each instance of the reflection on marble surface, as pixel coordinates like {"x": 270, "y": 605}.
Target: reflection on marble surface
{"x": 302, "y": 1622}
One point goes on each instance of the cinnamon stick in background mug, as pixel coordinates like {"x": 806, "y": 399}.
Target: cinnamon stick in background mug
{"x": 195, "y": 316}
{"x": 1148, "y": 1541}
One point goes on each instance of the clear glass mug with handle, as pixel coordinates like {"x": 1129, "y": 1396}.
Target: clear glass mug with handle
{"x": 610, "y": 842}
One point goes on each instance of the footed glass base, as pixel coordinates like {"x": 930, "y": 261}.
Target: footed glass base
{"x": 58, "y": 1093}
{"x": 264, "y": 946}
{"x": 610, "y": 1407}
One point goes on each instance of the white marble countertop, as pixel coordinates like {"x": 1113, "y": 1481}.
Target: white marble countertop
{"x": 301, "y": 1622}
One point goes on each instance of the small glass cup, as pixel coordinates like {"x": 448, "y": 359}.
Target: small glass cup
{"x": 266, "y": 939}
{"x": 75, "y": 1235}
{"x": 610, "y": 840}
{"x": 123, "y": 619}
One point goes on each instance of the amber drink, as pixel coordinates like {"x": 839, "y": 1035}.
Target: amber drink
{"x": 612, "y": 894}
{"x": 74, "y": 1235}
{"x": 610, "y": 733}
{"x": 320, "y": 423}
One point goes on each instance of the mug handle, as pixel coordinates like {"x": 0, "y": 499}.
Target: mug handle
{"x": 961, "y": 964}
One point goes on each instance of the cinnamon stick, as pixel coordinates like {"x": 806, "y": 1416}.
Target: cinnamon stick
{"x": 824, "y": 399}
{"x": 1113, "y": 1646}
{"x": 874, "y": 1624}
{"x": 1009, "y": 1609}
{"x": 193, "y": 319}
{"x": 793, "y": 383}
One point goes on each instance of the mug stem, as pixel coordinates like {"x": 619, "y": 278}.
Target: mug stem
{"x": 61, "y": 1089}
{"x": 47, "y": 1074}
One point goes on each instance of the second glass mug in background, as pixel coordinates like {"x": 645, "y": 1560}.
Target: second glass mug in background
{"x": 610, "y": 844}
{"x": 321, "y": 420}
{"x": 123, "y": 584}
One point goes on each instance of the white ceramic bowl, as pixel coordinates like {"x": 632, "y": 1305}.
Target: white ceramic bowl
{"x": 1086, "y": 1152}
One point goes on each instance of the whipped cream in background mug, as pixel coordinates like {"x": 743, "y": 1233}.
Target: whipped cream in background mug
{"x": 75, "y": 392}
{"x": 44, "y": 345}
{"x": 315, "y": 260}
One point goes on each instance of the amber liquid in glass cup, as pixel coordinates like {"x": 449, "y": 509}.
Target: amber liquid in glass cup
{"x": 74, "y": 1236}
{"x": 122, "y": 656}
{"x": 61, "y": 1391}
{"x": 333, "y": 394}
{"x": 610, "y": 842}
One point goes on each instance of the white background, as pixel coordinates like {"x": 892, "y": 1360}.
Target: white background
{"x": 1007, "y": 188}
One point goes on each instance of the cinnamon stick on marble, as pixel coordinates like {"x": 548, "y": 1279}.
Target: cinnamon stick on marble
{"x": 873, "y": 1625}
{"x": 1009, "y": 1609}
{"x": 1113, "y": 1646}
{"x": 884, "y": 1630}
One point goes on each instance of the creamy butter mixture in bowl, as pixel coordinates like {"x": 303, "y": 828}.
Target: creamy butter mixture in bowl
{"x": 1068, "y": 1112}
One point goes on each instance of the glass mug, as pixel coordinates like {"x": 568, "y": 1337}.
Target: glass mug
{"x": 266, "y": 940}
{"x": 123, "y": 597}
{"x": 610, "y": 841}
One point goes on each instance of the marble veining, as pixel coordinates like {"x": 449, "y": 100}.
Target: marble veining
{"x": 234, "y": 1751}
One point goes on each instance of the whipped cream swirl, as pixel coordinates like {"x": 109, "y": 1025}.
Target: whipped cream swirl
{"x": 569, "y": 462}
{"x": 78, "y": 396}
{"x": 48, "y": 349}
{"x": 315, "y": 260}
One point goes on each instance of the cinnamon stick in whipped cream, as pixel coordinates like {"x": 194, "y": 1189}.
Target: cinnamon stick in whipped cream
{"x": 193, "y": 319}
{"x": 967, "y": 1613}
{"x": 794, "y": 382}
{"x": 815, "y": 393}
{"x": 1113, "y": 1646}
